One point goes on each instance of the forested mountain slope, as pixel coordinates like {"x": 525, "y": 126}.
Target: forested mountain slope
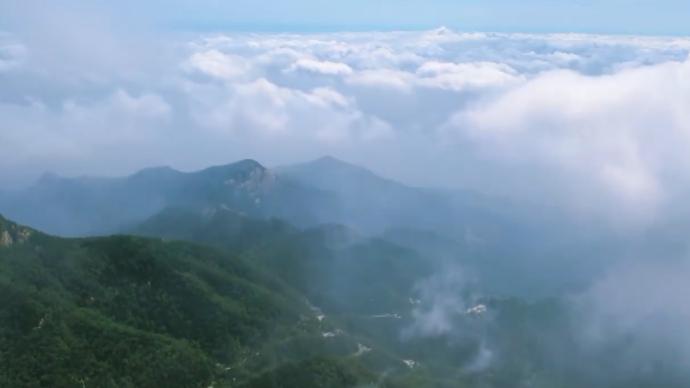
{"x": 133, "y": 312}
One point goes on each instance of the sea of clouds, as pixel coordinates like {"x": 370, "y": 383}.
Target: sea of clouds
{"x": 598, "y": 125}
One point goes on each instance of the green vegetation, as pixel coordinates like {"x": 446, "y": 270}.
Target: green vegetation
{"x": 316, "y": 372}
{"x": 132, "y": 312}
{"x": 261, "y": 303}
{"x": 334, "y": 267}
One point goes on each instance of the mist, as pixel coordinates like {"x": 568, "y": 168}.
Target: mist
{"x": 497, "y": 209}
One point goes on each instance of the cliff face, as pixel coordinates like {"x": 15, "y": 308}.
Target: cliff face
{"x": 5, "y": 239}
{"x": 11, "y": 233}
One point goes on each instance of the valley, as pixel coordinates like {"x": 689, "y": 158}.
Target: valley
{"x": 218, "y": 290}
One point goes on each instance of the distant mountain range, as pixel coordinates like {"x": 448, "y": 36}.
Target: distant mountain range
{"x": 499, "y": 235}
{"x": 90, "y": 206}
{"x": 323, "y": 191}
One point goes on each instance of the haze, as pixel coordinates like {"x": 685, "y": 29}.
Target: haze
{"x": 535, "y": 150}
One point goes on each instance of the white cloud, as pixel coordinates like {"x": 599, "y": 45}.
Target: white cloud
{"x": 321, "y": 67}
{"x": 462, "y": 76}
{"x": 217, "y": 64}
{"x": 131, "y": 114}
{"x": 585, "y": 121}
{"x": 441, "y": 304}
{"x": 271, "y": 112}
{"x": 618, "y": 139}
{"x": 82, "y": 134}
{"x": 386, "y": 78}
{"x": 642, "y": 305}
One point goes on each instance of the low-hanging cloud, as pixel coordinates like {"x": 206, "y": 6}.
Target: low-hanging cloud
{"x": 639, "y": 312}
{"x": 618, "y": 140}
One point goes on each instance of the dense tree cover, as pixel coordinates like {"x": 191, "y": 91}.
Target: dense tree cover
{"x": 266, "y": 304}
{"x": 368, "y": 287}
{"x": 316, "y": 372}
{"x": 132, "y": 312}
{"x": 336, "y": 268}
{"x": 58, "y": 327}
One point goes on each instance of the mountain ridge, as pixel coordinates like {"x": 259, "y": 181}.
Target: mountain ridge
{"x": 321, "y": 191}
{"x": 92, "y": 205}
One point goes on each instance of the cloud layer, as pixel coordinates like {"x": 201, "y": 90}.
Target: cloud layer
{"x": 584, "y": 121}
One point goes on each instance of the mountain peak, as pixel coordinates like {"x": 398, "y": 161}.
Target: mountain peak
{"x": 242, "y": 165}
{"x": 331, "y": 174}
{"x": 247, "y": 174}
{"x": 332, "y": 162}
{"x": 155, "y": 172}
{"x": 441, "y": 31}
{"x": 328, "y": 159}
{"x": 158, "y": 169}
{"x": 249, "y": 164}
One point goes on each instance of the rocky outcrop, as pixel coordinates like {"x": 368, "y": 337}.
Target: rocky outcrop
{"x": 5, "y": 239}
{"x": 255, "y": 180}
{"x": 11, "y": 234}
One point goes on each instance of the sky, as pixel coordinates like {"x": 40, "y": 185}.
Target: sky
{"x": 495, "y": 15}
{"x": 446, "y": 94}
{"x": 665, "y": 17}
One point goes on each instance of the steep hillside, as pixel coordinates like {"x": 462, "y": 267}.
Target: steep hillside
{"x": 132, "y": 312}
{"x": 410, "y": 324}
{"x": 335, "y": 267}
